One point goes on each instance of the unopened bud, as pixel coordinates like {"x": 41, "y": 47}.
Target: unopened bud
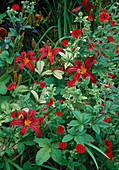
{"x": 15, "y": 77}
{"x": 19, "y": 80}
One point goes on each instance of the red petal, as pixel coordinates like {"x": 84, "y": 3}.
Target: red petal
{"x": 23, "y": 130}
{"x": 30, "y": 65}
{"x": 31, "y": 113}
{"x": 30, "y": 53}
{"x": 23, "y": 54}
{"x": 87, "y": 61}
{"x": 47, "y": 47}
{"x": 55, "y": 50}
{"x": 78, "y": 63}
{"x": 33, "y": 58}
{"x": 92, "y": 77}
{"x": 35, "y": 120}
{"x": 21, "y": 65}
{"x": 18, "y": 58}
{"x": 51, "y": 59}
{"x": 19, "y": 121}
{"x": 24, "y": 114}
{"x": 72, "y": 68}
{"x": 36, "y": 129}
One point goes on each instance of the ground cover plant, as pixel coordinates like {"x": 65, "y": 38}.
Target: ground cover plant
{"x": 59, "y": 92}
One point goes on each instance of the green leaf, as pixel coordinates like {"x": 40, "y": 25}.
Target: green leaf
{"x": 21, "y": 89}
{"x": 87, "y": 80}
{"x": 57, "y": 155}
{"x": 27, "y": 165}
{"x": 88, "y": 138}
{"x": 73, "y": 123}
{"x": 20, "y": 148}
{"x": 2, "y": 15}
{"x": 4, "y": 55}
{"x": 3, "y": 88}
{"x": 96, "y": 148}
{"x": 96, "y": 128}
{"x": 14, "y": 33}
{"x": 90, "y": 153}
{"x": 67, "y": 138}
{"x": 43, "y": 155}
{"x": 78, "y": 116}
{"x": 79, "y": 139}
{"x": 15, "y": 165}
{"x": 6, "y": 163}
{"x": 43, "y": 142}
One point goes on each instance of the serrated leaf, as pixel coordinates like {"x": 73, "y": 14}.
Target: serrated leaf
{"x": 73, "y": 123}
{"x": 43, "y": 142}
{"x": 57, "y": 155}
{"x": 43, "y": 155}
{"x": 79, "y": 139}
{"x": 3, "y": 88}
{"x": 78, "y": 116}
{"x": 20, "y": 148}
{"x": 67, "y": 138}
{"x": 96, "y": 128}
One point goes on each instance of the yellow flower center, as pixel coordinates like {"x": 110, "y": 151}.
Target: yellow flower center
{"x": 49, "y": 52}
{"x": 83, "y": 69}
{"x": 118, "y": 48}
{"x": 26, "y": 60}
{"x": 27, "y": 122}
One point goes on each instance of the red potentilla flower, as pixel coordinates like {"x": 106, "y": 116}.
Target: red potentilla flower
{"x": 104, "y": 16}
{"x": 41, "y": 119}
{"x": 107, "y": 86}
{"x": 117, "y": 50}
{"x": 50, "y": 103}
{"x": 42, "y": 85}
{"x": 102, "y": 112}
{"x": 62, "y": 145}
{"x": 90, "y": 18}
{"x": 3, "y": 33}
{"x": 80, "y": 148}
{"x": 76, "y": 33}
{"x": 64, "y": 42}
{"x": 87, "y": 63}
{"x": 108, "y": 151}
{"x": 113, "y": 23}
{"x": 58, "y": 113}
{"x": 104, "y": 10}
{"x": 47, "y": 51}
{"x": 110, "y": 38}
{"x": 15, "y": 7}
{"x": 117, "y": 112}
{"x": 87, "y": 5}
{"x": 76, "y": 9}
{"x": 37, "y": 82}
{"x": 77, "y": 76}
{"x": 15, "y": 114}
{"x": 28, "y": 121}
{"x": 107, "y": 119}
{"x": 108, "y": 143}
{"x": 61, "y": 101}
{"x": 45, "y": 112}
{"x": 110, "y": 74}
{"x": 101, "y": 104}
{"x": 71, "y": 83}
{"x": 87, "y": 102}
{"x": 11, "y": 86}
{"x": 60, "y": 129}
{"x": 83, "y": 31}
{"x": 110, "y": 157}
{"x": 26, "y": 59}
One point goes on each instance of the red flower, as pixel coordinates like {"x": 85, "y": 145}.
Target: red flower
{"x": 104, "y": 10}
{"x": 71, "y": 83}
{"x": 87, "y": 102}
{"x": 11, "y": 86}
{"x": 15, "y": 114}
{"x": 110, "y": 157}
{"x": 117, "y": 112}
{"x": 107, "y": 119}
{"x": 107, "y": 86}
{"x": 62, "y": 145}
{"x": 104, "y": 16}
{"x": 60, "y": 129}
{"x": 113, "y": 23}
{"x": 37, "y": 82}
{"x": 110, "y": 74}
{"x": 77, "y": 76}
{"x": 15, "y": 7}
{"x": 61, "y": 101}
{"x": 26, "y": 59}
{"x": 3, "y": 33}
{"x": 102, "y": 112}
{"x": 45, "y": 112}
{"x": 84, "y": 68}
{"x": 108, "y": 143}
{"x": 108, "y": 151}
{"x": 58, "y": 113}
{"x": 64, "y": 42}
{"x": 110, "y": 38}
{"x": 76, "y": 9}
{"x": 80, "y": 148}
{"x": 76, "y": 33}
{"x": 90, "y": 18}
{"x": 28, "y": 121}
{"x": 102, "y": 104}
{"x": 87, "y": 5}
{"x": 42, "y": 85}
{"x": 50, "y": 103}
{"x": 47, "y": 51}
{"x": 117, "y": 50}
